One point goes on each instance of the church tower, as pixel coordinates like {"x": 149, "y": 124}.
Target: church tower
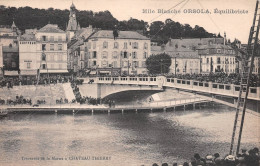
{"x": 72, "y": 26}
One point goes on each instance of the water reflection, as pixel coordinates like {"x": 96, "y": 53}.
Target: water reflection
{"x": 130, "y": 139}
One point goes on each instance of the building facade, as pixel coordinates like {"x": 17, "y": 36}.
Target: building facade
{"x": 45, "y": 50}
{"x": 9, "y": 35}
{"x": 217, "y": 58}
{"x": 127, "y": 52}
{"x": 183, "y": 60}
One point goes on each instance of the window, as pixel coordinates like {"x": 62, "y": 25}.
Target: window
{"x": 125, "y": 45}
{"x": 125, "y": 55}
{"x": 52, "y": 47}
{"x": 43, "y": 47}
{"x": 135, "y": 64}
{"x": 44, "y": 38}
{"x": 81, "y": 57}
{"x": 115, "y": 64}
{"x": 104, "y": 55}
{"x": 82, "y": 65}
{"x": 207, "y": 60}
{"x": 94, "y": 54}
{"x": 218, "y": 60}
{"x": 115, "y": 44}
{"x": 59, "y": 47}
{"x": 94, "y": 63}
{"x": 43, "y": 66}
{"x": 135, "y": 45}
{"x": 143, "y": 64}
{"x": 114, "y": 55}
{"x": 28, "y": 65}
{"x": 89, "y": 45}
{"x": 104, "y": 63}
{"x": 145, "y": 45}
{"x": 105, "y": 44}
{"x": 43, "y": 57}
{"x": 134, "y": 55}
{"x": 59, "y": 38}
{"x": 51, "y": 38}
{"x": 145, "y": 55}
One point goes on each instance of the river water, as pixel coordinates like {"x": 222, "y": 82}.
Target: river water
{"x": 121, "y": 139}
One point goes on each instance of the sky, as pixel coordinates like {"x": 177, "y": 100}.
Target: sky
{"x": 235, "y": 25}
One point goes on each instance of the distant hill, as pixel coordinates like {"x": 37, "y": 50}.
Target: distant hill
{"x": 28, "y": 18}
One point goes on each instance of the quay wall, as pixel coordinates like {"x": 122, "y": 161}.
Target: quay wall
{"x": 49, "y": 93}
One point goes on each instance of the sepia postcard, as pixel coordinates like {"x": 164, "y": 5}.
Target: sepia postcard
{"x": 129, "y": 83}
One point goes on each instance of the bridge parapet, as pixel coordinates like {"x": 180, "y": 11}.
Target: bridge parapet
{"x": 192, "y": 85}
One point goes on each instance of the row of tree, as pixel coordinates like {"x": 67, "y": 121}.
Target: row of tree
{"x": 158, "y": 31}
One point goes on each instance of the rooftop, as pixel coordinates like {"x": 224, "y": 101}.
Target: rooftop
{"x": 214, "y": 46}
{"x": 51, "y": 28}
{"x": 121, "y": 35}
{"x": 27, "y": 37}
{"x": 194, "y": 41}
{"x": 173, "y": 52}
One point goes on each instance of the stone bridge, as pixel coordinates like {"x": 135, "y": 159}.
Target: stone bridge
{"x": 109, "y": 85}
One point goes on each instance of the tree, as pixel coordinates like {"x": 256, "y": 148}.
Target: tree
{"x": 158, "y": 64}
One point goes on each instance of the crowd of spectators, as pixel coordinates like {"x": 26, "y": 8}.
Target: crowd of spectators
{"x": 17, "y": 100}
{"x": 223, "y": 78}
{"x": 44, "y": 80}
{"x": 250, "y": 158}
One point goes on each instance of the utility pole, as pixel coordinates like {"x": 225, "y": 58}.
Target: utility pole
{"x": 175, "y": 65}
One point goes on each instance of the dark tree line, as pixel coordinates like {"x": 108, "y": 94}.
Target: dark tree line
{"x": 158, "y": 31}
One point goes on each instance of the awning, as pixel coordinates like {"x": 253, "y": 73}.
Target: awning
{"x": 11, "y": 73}
{"x": 28, "y": 72}
{"x": 104, "y": 72}
{"x": 54, "y": 71}
{"x": 93, "y": 72}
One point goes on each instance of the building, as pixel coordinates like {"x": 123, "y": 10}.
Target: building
{"x": 193, "y": 43}
{"x": 184, "y": 60}
{"x": 10, "y": 60}
{"x": 217, "y": 58}
{"x": 73, "y": 26}
{"x": 9, "y": 35}
{"x": 45, "y": 50}
{"x": 109, "y": 50}
{"x": 76, "y": 49}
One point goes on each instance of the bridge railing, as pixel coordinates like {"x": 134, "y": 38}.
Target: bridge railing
{"x": 193, "y": 85}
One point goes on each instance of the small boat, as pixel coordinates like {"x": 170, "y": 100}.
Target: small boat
{"x": 3, "y": 113}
